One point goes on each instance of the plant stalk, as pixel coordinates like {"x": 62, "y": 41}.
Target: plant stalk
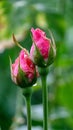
{"x": 28, "y": 105}
{"x": 43, "y": 74}
{"x": 27, "y": 94}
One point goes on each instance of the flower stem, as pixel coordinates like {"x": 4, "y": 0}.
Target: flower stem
{"x": 28, "y": 104}
{"x": 43, "y": 74}
{"x": 27, "y": 95}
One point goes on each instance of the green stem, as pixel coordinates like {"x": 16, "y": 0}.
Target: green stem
{"x": 28, "y": 104}
{"x": 43, "y": 73}
{"x": 27, "y": 94}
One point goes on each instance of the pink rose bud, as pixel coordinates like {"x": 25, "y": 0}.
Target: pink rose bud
{"x": 23, "y": 71}
{"x": 42, "y": 51}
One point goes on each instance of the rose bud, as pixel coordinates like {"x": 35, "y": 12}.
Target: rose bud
{"x": 23, "y": 71}
{"x": 43, "y": 50}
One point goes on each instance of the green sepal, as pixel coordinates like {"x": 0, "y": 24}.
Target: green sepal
{"x": 38, "y": 58}
{"x": 23, "y": 80}
{"x": 18, "y": 44}
{"x": 10, "y": 65}
{"x": 12, "y": 77}
{"x": 52, "y": 55}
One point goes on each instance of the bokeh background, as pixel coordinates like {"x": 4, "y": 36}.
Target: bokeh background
{"x": 18, "y": 16}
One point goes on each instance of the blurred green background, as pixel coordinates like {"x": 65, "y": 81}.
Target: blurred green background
{"x": 18, "y": 16}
